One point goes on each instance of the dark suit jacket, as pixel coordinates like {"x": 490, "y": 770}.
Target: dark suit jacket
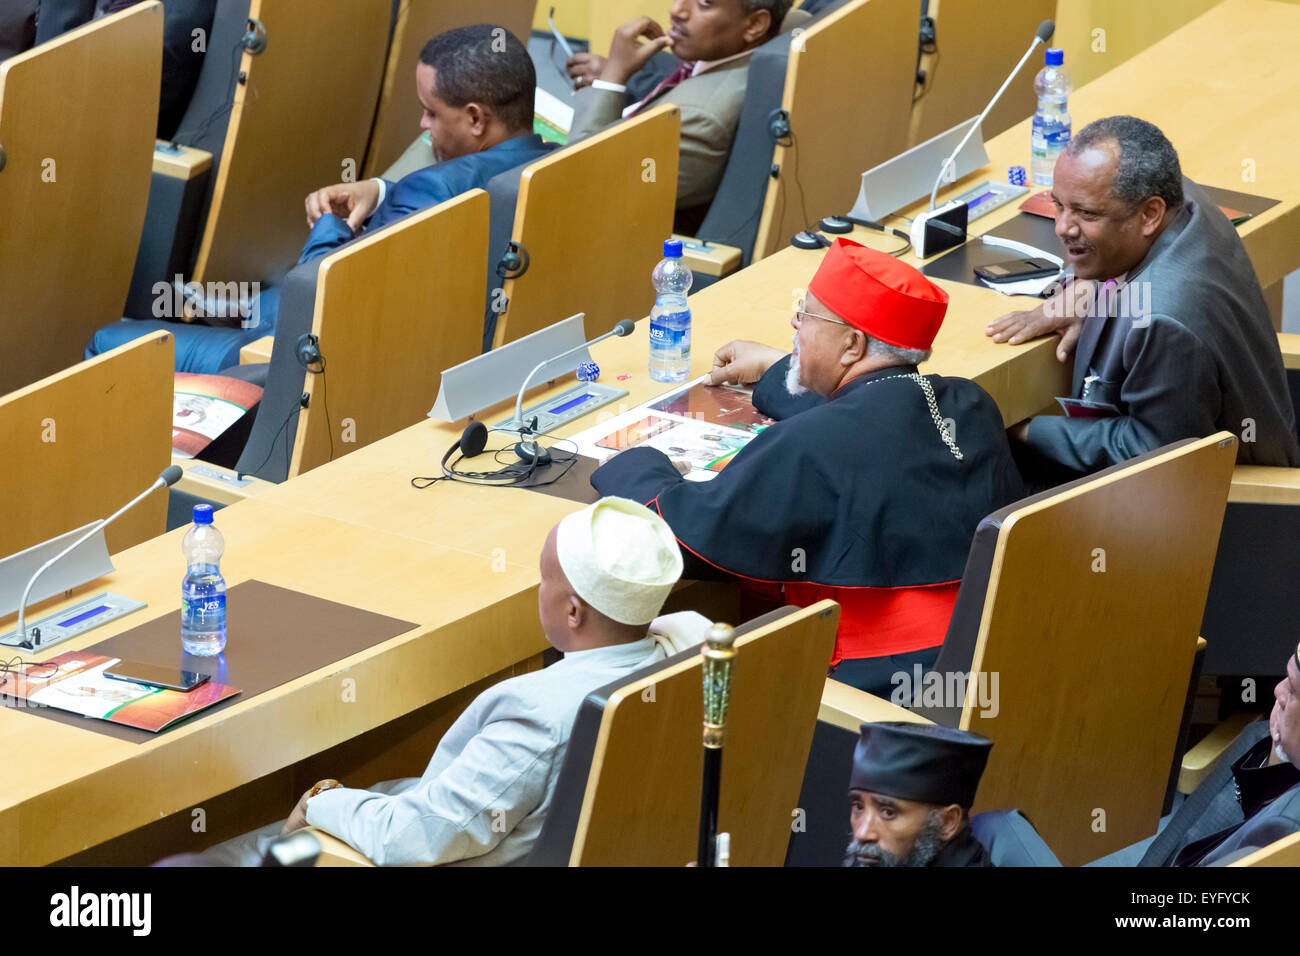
{"x": 1195, "y": 354}
{"x": 1214, "y": 807}
{"x": 427, "y": 187}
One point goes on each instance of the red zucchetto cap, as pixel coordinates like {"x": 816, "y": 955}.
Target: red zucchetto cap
{"x": 884, "y": 297}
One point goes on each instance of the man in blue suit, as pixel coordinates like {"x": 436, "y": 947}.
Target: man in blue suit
{"x": 476, "y": 85}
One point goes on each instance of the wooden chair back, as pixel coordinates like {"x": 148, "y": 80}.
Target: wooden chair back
{"x": 301, "y": 120}
{"x": 596, "y": 258}
{"x": 641, "y": 777}
{"x": 1076, "y": 630}
{"x": 85, "y": 441}
{"x": 391, "y": 311}
{"x": 848, "y": 96}
{"x": 77, "y": 123}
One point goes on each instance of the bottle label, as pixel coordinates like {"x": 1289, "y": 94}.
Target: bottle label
{"x": 671, "y": 332}
{"x": 204, "y": 610}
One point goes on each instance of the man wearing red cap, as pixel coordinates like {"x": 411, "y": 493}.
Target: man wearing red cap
{"x": 868, "y": 488}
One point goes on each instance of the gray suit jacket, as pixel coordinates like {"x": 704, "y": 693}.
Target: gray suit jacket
{"x": 710, "y": 110}
{"x": 1188, "y": 350}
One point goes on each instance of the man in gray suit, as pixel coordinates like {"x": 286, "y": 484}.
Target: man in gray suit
{"x": 1170, "y": 330}
{"x": 713, "y": 40}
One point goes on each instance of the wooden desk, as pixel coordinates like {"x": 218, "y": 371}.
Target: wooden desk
{"x": 67, "y": 788}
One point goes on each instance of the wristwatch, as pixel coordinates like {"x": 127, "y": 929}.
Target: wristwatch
{"x": 322, "y": 787}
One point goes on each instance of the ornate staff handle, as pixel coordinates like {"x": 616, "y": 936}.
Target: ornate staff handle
{"x": 718, "y": 652}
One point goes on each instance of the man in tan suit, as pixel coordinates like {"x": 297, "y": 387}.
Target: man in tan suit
{"x": 713, "y": 40}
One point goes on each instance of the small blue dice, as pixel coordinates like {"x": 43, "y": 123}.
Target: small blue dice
{"x": 1016, "y": 175}
{"x": 588, "y": 372}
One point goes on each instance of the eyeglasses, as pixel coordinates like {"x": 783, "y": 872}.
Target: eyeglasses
{"x": 799, "y": 310}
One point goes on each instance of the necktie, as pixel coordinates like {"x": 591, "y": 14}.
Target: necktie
{"x": 683, "y": 72}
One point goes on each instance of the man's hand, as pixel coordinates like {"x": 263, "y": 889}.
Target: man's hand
{"x": 1019, "y": 431}
{"x": 583, "y": 68}
{"x": 743, "y": 363}
{"x": 354, "y": 202}
{"x": 627, "y": 55}
{"x": 298, "y": 819}
{"x": 1052, "y": 315}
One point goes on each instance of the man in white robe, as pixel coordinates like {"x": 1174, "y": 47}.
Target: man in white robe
{"x": 606, "y": 571}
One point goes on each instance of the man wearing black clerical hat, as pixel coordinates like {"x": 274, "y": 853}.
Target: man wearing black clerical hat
{"x": 910, "y": 796}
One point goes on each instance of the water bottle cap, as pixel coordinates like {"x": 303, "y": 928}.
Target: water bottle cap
{"x": 672, "y": 248}
{"x": 1055, "y": 56}
{"x": 203, "y": 514}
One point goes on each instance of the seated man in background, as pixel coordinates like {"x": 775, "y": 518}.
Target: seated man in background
{"x": 1170, "y": 333}
{"x": 713, "y": 39}
{"x": 866, "y": 491}
{"x": 1251, "y": 797}
{"x": 910, "y": 796}
{"x": 478, "y": 110}
{"x": 606, "y": 571}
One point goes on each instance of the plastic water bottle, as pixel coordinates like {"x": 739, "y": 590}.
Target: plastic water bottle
{"x": 1051, "y": 121}
{"x": 203, "y": 589}
{"x": 670, "y": 319}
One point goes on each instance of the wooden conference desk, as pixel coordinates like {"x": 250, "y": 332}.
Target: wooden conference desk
{"x": 461, "y": 561}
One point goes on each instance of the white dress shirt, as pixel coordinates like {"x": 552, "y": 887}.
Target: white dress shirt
{"x": 489, "y": 785}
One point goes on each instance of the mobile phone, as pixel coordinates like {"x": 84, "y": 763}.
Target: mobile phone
{"x": 154, "y": 675}
{"x": 1014, "y": 270}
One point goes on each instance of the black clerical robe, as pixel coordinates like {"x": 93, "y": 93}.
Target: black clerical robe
{"x": 962, "y": 850}
{"x": 856, "y": 498}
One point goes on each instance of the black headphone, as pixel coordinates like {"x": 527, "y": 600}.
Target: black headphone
{"x": 778, "y": 126}
{"x": 472, "y": 442}
{"x": 254, "y": 38}
{"x": 307, "y": 352}
{"x": 515, "y": 262}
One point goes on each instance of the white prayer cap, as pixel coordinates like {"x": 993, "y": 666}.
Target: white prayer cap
{"x": 620, "y": 557}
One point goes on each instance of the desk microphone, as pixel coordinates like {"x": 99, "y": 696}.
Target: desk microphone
{"x": 531, "y": 451}
{"x": 170, "y": 475}
{"x": 1041, "y": 35}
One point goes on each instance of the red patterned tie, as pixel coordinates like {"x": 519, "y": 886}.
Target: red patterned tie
{"x": 683, "y": 72}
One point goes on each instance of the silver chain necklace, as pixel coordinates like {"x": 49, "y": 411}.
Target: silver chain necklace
{"x": 928, "y": 390}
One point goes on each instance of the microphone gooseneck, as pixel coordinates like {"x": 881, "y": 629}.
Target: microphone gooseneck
{"x": 1041, "y": 35}
{"x": 623, "y": 328}
{"x": 169, "y": 476}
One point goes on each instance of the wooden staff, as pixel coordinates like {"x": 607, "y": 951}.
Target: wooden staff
{"x": 718, "y": 650}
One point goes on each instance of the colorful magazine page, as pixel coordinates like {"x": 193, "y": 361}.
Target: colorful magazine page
{"x": 75, "y": 682}
{"x": 204, "y": 406}
{"x": 705, "y": 447}
{"x": 729, "y": 405}
{"x": 695, "y": 425}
